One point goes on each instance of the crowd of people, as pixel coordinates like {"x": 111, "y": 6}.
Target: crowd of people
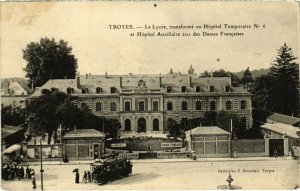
{"x": 14, "y": 172}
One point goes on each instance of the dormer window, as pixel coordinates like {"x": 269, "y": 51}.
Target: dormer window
{"x": 54, "y": 89}
{"x": 227, "y": 88}
{"x": 169, "y": 89}
{"x": 183, "y": 89}
{"x": 113, "y": 90}
{"x": 98, "y": 90}
{"x": 211, "y": 88}
{"x": 70, "y": 90}
{"x": 85, "y": 91}
{"x": 198, "y": 89}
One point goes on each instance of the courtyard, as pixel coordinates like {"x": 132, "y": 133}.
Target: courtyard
{"x": 272, "y": 173}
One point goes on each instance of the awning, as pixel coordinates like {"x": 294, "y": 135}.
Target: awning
{"x": 12, "y": 148}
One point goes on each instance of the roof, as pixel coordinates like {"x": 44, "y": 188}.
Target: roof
{"x": 283, "y": 129}
{"x": 7, "y": 130}
{"x": 21, "y": 81}
{"x": 141, "y": 82}
{"x": 211, "y": 130}
{"x": 12, "y": 148}
{"x": 84, "y": 133}
{"x": 284, "y": 119}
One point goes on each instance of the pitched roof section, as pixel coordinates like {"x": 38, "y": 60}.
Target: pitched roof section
{"x": 211, "y": 130}
{"x": 129, "y": 83}
{"x": 8, "y": 130}
{"x": 284, "y": 119}
{"x": 84, "y": 133}
{"x": 282, "y": 129}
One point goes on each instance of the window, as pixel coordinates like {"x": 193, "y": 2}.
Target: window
{"x": 113, "y": 90}
{"x": 243, "y": 104}
{"x": 127, "y": 125}
{"x": 198, "y": 105}
{"x": 211, "y": 88}
{"x": 155, "y": 106}
{"x": 169, "y": 89}
{"x": 155, "y": 125}
{"x": 70, "y": 90}
{"x": 184, "y": 105}
{"x": 212, "y": 104}
{"x": 141, "y": 106}
{"x": 127, "y": 106}
{"x": 54, "y": 89}
{"x": 85, "y": 91}
{"x": 98, "y": 90}
{"x": 198, "y": 89}
{"x": 228, "y": 105}
{"x": 113, "y": 106}
{"x": 227, "y": 88}
{"x": 169, "y": 106}
{"x": 183, "y": 89}
{"x": 98, "y": 106}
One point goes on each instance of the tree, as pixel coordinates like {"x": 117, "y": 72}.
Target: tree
{"x": 48, "y": 59}
{"x": 12, "y": 116}
{"x": 44, "y": 117}
{"x": 112, "y": 128}
{"x": 173, "y": 128}
{"x": 278, "y": 91}
{"x": 285, "y": 73}
{"x": 247, "y": 79}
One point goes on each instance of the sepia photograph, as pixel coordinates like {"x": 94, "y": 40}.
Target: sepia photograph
{"x": 150, "y": 95}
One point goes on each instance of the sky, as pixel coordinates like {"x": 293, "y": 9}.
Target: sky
{"x": 99, "y": 49}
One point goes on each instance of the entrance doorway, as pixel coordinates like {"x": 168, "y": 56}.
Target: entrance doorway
{"x": 96, "y": 151}
{"x": 276, "y": 147}
{"x": 142, "y": 125}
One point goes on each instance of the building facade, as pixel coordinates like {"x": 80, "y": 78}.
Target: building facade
{"x": 144, "y": 103}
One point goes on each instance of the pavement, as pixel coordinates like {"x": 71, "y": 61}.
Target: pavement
{"x": 164, "y": 160}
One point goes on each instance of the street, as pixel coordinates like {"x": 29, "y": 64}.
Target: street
{"x": 264, "y": 174}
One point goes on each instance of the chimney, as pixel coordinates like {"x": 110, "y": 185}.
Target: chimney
{"x": 86, "y": 76}
{"x": 78, "y": 82}
{"x": 105, "y": 74}
{"x": 230, "y": 80}
{"x": 130, "y": 75}
{"x": 121, "y": 82}
{"x": 190, "y": 81}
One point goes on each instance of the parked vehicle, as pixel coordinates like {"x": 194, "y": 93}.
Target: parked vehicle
{"x": 109, "y": 168}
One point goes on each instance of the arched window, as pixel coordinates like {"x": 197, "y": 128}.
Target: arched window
{"x": 85, "y": 91}
{"x": 54, "y": 89}
{"x": 98, "y": 106}
{"x": 98, "y": 90}
{"x": 169, "y": 89}
{"x": 228, "y": 105}
{"x": 183, "y": 89}
{"x": 198, "y": 105}
{"x": 184, "y": 105}
{"x": 113, "y": 106}
{"x": 211, "y": 88}
{"x": 243, "y": 104}
{"x": 155, "y": 124}
{"x": 169, "y": 106}
{"x": 127, "y": 125}
{"x": 198, "y": 89}
{"x": 213, "y": 105}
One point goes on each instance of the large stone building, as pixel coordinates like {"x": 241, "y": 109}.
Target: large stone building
{"x": 144, "y": 103}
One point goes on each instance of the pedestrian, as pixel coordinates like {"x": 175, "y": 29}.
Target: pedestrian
{"x": 22, "y": 172}
{"x": 77, "y": 177}
{"x": 89, "y": 176}
{"x": 84, "y": 179}
{"x": 27, "y": 172}
{"x": 275, "y": 153}
{"x": 33, "y": 182}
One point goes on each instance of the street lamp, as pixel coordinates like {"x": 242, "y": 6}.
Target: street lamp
{"x": 42, "y": 187}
